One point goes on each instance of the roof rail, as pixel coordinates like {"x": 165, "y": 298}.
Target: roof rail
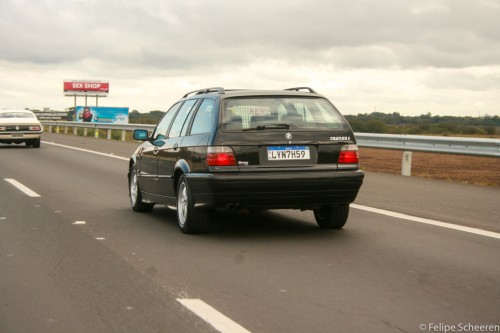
{"x": 219, "y": 90}
{"x": 311, "y": 90}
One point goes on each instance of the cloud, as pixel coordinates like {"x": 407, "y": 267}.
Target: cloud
{"x": 260, "y": 43}
{"x": 190, "y": 33}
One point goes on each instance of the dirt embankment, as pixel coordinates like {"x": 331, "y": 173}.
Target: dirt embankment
{"x": 455, "y": 168}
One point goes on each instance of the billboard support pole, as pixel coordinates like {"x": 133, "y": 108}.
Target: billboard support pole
{"x": 96, "y": 100}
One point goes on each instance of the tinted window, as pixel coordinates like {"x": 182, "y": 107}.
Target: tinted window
{"x": 185, "y": 127}
{"x": 300, "y": 113}
{"x": 203, "y": 121}
{"x": 162, "y": 127}
{"x": 181, "y": 117}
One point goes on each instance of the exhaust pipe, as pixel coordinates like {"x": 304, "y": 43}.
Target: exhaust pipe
{"x": 237, "y": 207}
{"x": 233, "y": 206}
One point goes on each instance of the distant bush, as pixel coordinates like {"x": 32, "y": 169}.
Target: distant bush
{"x": 370, "y": 126}
{"x": 394, "y": 123}
{"x": 153, "y": 117}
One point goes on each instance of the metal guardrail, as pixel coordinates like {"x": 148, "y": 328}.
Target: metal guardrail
{"x": 124, "y": 128}
{"x": 74, "y": 124}
{"x": 405, "y": 143}
{"x": 421, "y": 143}
{"x": 431, "y": 144}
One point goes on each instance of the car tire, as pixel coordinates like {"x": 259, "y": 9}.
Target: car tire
{"x": 190, "y": 219}
{"x": 135, "y": 194}
{"x": 332, "y": 216}
{"x": 35, "y": 143}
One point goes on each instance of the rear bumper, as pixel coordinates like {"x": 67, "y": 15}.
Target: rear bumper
{"x": 19, "y": 137}
{"x": 274, "y": 190}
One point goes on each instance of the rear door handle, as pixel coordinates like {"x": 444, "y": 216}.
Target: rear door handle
{"x": 155, "y": 150}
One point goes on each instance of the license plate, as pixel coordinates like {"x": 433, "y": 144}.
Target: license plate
{"x": 17, "y": 135}
{"x": 288, "y": 153}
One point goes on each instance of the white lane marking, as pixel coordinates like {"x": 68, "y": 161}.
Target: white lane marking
{"x": 86, "y": 150}
{"x": 220, "y": 322}
{"x": 100, "y": 238}
{"x": 80, "y": 222}
{"x": 23, "y": 188}
{"x": 428, "y": 221}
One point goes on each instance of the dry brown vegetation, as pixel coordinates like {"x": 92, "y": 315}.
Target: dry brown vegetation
{"x": 455, "y": 168}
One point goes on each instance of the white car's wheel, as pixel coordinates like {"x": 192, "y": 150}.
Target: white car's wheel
{"x": 35, "y": 143}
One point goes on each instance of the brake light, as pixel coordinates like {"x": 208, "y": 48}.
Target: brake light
{"x": 2, "y": 128}
{"x": 349, "y": 155}
{"x": 220, "y": 156}
{"x": 35, "y": 128}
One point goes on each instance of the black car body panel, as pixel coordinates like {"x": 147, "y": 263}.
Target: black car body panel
{"x": 275, "y": 190}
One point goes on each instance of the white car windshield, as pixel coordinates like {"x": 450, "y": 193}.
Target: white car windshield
{"x": 16, "y": 115}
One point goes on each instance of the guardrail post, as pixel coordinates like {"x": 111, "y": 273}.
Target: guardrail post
{"x": 109, "y": 134}
{"x": 124, "y": 133}
{"x": 75, "y": 131}
{"x": 96, "y": 133}
{"x": 406, "y": 166}
{"x": 65, "y": 129}
{"x": 50, "y": 128}
{"x": 85, "y": 130}
{"x": 57, "y": 129}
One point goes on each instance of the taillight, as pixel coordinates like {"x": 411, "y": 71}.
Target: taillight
{"x": 35, "y": 128}
{"x": 2, "y": 128}
{"x": 220, "y": 156}
{"x": 349, "y": 155}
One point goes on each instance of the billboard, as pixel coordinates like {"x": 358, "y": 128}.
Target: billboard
{"x": 82, "y": 88}
{"x": 52, "y": 115}
{"x": 101, "y": 115}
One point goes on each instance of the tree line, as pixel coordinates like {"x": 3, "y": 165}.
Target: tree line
{"x": 425, "y": 124}
{"x": 153, "y": 117}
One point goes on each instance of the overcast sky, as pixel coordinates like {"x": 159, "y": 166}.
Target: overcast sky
{"x": 411, "y": 57}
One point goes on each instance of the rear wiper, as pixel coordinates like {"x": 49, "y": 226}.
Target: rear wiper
{"x": 264, "y": 127}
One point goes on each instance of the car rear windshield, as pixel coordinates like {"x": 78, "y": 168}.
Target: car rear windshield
{"x": 16, "y": 115}
{"x": 290, "y": 113}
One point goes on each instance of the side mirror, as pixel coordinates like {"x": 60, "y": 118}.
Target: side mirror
{"x": 141, "y": 135}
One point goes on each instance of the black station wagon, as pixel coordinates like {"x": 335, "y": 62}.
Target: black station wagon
{"x": 247, "y": 150}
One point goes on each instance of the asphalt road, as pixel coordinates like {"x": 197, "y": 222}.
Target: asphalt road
{"x": 78, "y": 259}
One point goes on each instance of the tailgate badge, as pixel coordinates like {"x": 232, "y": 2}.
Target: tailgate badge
{"x": 288, "y": 136}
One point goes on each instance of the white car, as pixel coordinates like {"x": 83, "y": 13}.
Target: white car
{"x": 20, "y": 126}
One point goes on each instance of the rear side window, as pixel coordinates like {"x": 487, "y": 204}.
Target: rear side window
{"x": 162, "y": 127}
{"x": 203, "y": 121}
{"x": 181, "y": 117}
{"x": 299, "y": 113}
